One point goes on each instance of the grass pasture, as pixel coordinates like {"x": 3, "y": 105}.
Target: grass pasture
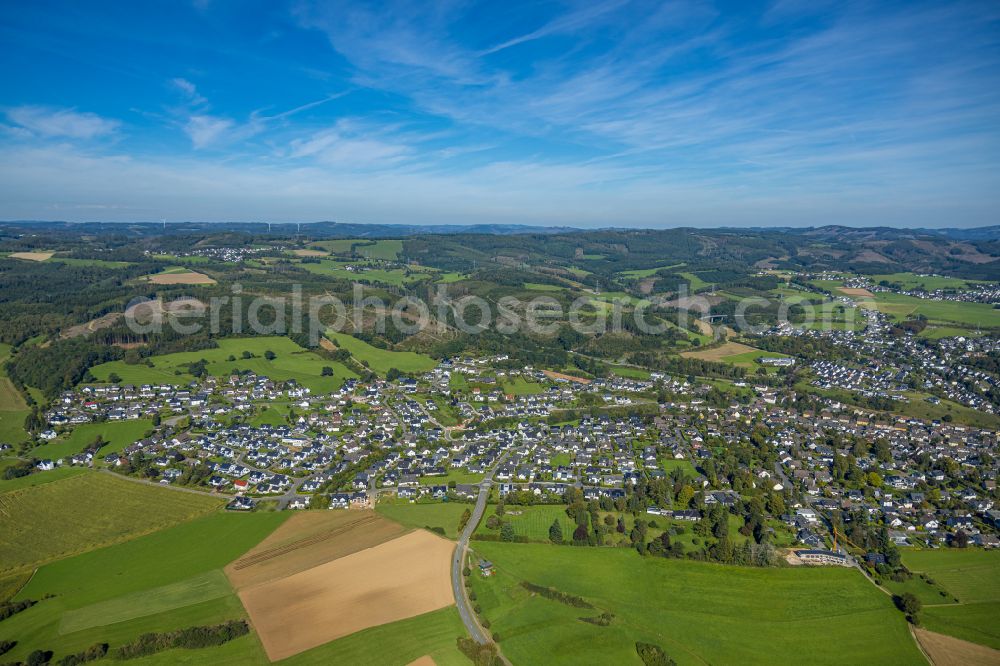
{"x": 396, "y": 644}
{"x": 973, "y": 576}
{"x": 181, "y": 276}
{"x": 936, "y": 332}
{"x": 91, "y": 511}
{"x": 338, "y": 245}
{"x": 734, "y": 353}
{"x": 975, "y": 315}
{"x": 161, "y": 581}
{"x": 12, "y": 426}
{"x": 382, "y": 360}
{"x": 100, "y": 263}
{"x": 629, "y": 372}
{"x": 338, "y": 269}
{"x": 521, "y": 386}
{"x": 37, "y": 478}
{"x": 445, "y": 515}
{"x": 647, "y": 272}
{"x": 386, "y": 250}
{"x": 202, "y": 587}
{"x": 291, "y": 362}
{"x": 118, "y": 434}
{"x": 910, "y": 281}
{"x": 698, "y": 612}
{"x": 530, "y": 522}
{"x": 13, "y": 409}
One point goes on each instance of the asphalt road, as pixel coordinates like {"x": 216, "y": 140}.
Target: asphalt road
{"x": 458, "y": 588}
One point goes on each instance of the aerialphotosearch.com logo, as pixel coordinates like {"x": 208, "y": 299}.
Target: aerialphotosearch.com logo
{"x": 240, "y": 314}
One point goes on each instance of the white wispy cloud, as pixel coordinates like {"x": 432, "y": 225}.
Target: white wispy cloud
{"x": 566, "y": 23}
{"x": 47, "y": 121}
{"x": 205, "y": 130}
{"x": 349, "y": 144}
{"x": 189, "y": 89}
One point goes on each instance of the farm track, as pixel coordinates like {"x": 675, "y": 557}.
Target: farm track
{"x": 277, "y": 551}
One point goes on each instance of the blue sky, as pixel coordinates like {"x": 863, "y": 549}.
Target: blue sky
{"x": 650, "y": 114}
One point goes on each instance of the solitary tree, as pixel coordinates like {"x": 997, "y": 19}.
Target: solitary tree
{"x": 269, "y": 355}
{"x": 507, "y": 532}
{"x": 555, "y": 532}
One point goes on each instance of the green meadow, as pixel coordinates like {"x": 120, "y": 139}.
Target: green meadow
{"x": 445, "y": 515}
{"x": 929, "y": 283}
{"x": 338, "y": 245}
{"x": 697, "y": 612}
{"x": 162, "y": 581}
{"x": 647, "y": 272}
{"x": 382, "y": 360}
{"x": 936, "y": 332}
{"x": 101, "y": 263}
{"x": 530, "y": 522}
{"x": 118, "y": 434}
{"x": 694, "y": 281}
{"x": 521, "y": 386}
{"x": 195, "y": 259}
{"x": 338, "y": 269}
{"x": 670, "y": 464}
{"x": 91, "y": 510}
{"x": 972, "y": 575}
{"x": 13, "y": 409}
{"x": 456, "y": 475}
{"x": 386, "y": 250}
{"x": 629, "y": 373}
{"x": 749, "y": 359}
{"x": 898, "y": 306}
{"x": 37, "y": 478}
{"x": 291, "y": 362}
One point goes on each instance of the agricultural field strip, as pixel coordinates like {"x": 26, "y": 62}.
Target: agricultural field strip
{"x": 271, "y": 553}
{"x": 203, "y": 587}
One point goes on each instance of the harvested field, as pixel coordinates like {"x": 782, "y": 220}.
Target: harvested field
{"x": 720, "y": 352}
{"x": 309, "y": 539}
{"x": 855, "y": 291}
{"x": 570, "y": 378}
{"x": 310, "y": 253}
{"x": 398, "y": 579}
{"x": 947, "y": 651}
{"x": 188, "y": 277}
{"x": 422, "y": 661}
{"x": 32, "y": 256}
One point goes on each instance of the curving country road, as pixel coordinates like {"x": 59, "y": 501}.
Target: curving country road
{"x": 461, "y": 599}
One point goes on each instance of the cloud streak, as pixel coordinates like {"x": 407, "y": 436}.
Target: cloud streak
{"x": 50, "y": 122}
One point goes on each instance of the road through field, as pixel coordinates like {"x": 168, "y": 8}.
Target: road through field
{"x": 461, "y": 599}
